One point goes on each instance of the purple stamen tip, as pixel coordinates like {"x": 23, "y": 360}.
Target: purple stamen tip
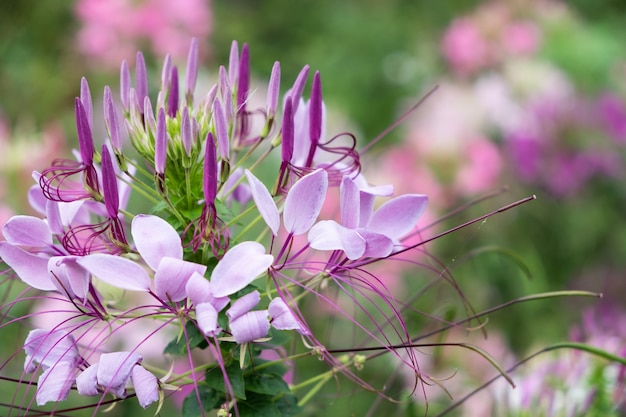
{"x": 172, "y": 99}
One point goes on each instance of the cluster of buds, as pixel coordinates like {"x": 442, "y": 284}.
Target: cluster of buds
{"x": 195, "y": 260}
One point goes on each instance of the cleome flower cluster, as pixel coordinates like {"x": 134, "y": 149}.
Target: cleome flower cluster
{"x": 221, "y": 241}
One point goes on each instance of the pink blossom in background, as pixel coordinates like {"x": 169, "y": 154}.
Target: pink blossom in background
{"x": 480, "y": 171}
{"x": 113, "y": 30}
{"x": 464, "y": 47}
{"x": 521, "y": 38}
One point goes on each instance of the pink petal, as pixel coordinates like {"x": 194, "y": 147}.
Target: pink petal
{"x": 146, "y": 386}
{"x": 27, "y": 231}
{"x": 304, "y": 202}
{"x": 241, "y": 265}
{"x": 155, "y": 239}
{"x": 117, "y": 271}
{"x": 398, "y": 216}
{"x": 87, "y": 381}
{"x": 376, "y": 245}
{"x": 242, "y": 305}
{"x": 264, "y": 202}
{"x": 49, "y": 348}
{"x": 69, "y": 277}
{"x": 283, "y": 318}
{"x": 171, "y": 278}
{"x": 114, "y": 371}
{"x": 31, "y": 269}
{"x": 329, "y": 235}
{"x": 55, "y": 383}
{"x": 350, "y": 203}
{"x": 198, "y": 290}
{"x": 251, "y": 326}
{"x": 206, "y": 316}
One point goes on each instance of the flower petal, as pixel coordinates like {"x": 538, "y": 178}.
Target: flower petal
{"x": 282, "y": 318}
{"x": 304, "y": 202}
{"x": 49, "y": 348}
{"x": 69, "y": 277}
{"x": 155, "y": 239}
{"x": 117, "y": 271}
{"x": 264, "y": 202}
{"x": 27, "y": 231}
{"x": 251, "y": 326}
{"x": 146, "y": 386}
{"x": 206, "y": 316}
{"x": 114, "y": 371}
{"x": 329, "y": 235}
{"x": 171, "y": 278}
{"x": 243, "y": 305}
{"x": 376, "y": 245}
{"x": 350, "y": 204}
{"x": 398, "y": 216}
{"x": 241, "y": 265}
{"x": 31, "y": 269}
{"x": 198, "y": 290}
{"x": 87, "y": 381}
{"x": 55, "y": 383}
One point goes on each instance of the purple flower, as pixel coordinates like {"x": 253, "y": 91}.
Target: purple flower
{"x": 56, "y": 353}
{"x": 363, "y": 233}
{"x": 112, "y": 374}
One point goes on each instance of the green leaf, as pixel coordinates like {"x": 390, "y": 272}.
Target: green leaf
{"x": 258, "y": 405}
{"x": 210, "y": 399}
{"x": 195, "y": 338}
{"x": 215, "y": 380}
{"x": 266, "y": 383}
{"x": 288, "y": 406}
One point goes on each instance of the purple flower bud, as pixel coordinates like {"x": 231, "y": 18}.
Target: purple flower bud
{"x": 148, "y": 116}
{"x": 315, "y": 110}
{"x": 192, "y": 70}
{"x": 273, "y": 90}
{"x": 109, "y": 184}
{"x": 223, "y": 82}
{"x": 160, "y": 145}
{"x": 166, "y": 73}
{"x": 287, "y": 132}
{"x": 172, "y": 99}
{"x": 233, "y": 63}
{"x": 125, "y": 85}
{"x": 85, "y": 97}
{"x": 221, "y": 130}
{"x": 210, "y": 170}
{"x": 243, "y": 82}
{"x": 298, "y": 87}
{"x": 210, "y": 99}
{"x": 85, "y": 140}
{"x": 186, "y": 131}
{"x": 111, "y": 121}
{"x": 141, "y": 78}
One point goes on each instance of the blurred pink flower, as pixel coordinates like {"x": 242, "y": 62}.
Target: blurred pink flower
{"x": 464, "y": 47}
{"x": 521, "y": 38}
{"x": 113, "y": 30}
{"x": 480, "y": 171}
